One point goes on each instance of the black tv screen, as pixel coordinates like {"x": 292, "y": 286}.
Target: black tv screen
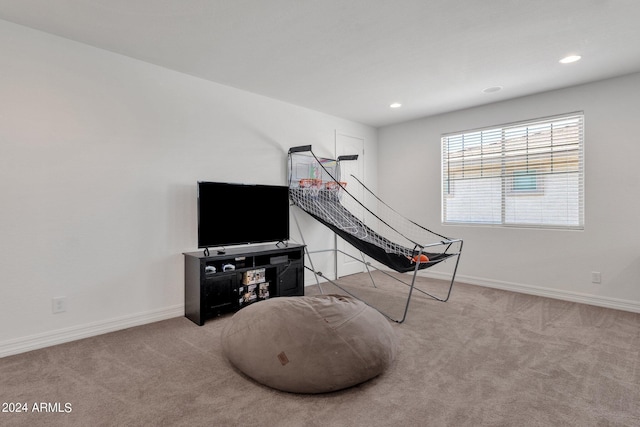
{"x": 233, "y": 214}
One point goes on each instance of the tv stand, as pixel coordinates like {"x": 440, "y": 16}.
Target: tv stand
{"x": 227, "y": 282}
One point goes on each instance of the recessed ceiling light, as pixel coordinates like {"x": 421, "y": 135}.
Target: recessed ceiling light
{"x": 569, "y": 59}
{"x": 395, "y": 105}
{"x": 492, "y": 89}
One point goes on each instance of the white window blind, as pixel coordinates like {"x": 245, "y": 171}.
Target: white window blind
{"x": 523, "y": 174}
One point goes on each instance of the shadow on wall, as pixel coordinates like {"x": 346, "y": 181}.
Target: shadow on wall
{"x": 627, "y": 277}
{"x": 182, "y": 216}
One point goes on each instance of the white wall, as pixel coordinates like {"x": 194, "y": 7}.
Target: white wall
{"x": 99, "y": 158}
{"x": 545, "y": 262}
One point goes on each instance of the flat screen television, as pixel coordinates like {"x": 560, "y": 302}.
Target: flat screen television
{"x": 234, "y": 214}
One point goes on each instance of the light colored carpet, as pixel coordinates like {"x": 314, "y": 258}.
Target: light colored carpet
{"x": 485, "y": 358}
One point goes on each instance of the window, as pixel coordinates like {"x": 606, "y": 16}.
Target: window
{"x": 524, "y": 174}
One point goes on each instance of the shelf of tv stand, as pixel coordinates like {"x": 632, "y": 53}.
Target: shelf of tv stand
{"x": 208, "y": 294}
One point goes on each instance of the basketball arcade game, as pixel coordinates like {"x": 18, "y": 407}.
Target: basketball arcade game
{"x": 369, "y": 225}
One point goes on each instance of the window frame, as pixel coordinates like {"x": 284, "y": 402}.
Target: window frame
{"x": 499, "y": 164}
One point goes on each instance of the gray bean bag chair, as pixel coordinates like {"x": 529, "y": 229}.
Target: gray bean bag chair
{"x": 310, "y": 344}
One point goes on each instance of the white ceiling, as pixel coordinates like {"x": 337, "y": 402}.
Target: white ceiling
{"x": 352, "y": 58}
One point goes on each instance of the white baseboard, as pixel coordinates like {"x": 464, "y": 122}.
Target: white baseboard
{"x": 579, "y": 297}
{"x": 47, "y": 339}
{"x": 60, "y": 336}
{"x": 600, "y": 301}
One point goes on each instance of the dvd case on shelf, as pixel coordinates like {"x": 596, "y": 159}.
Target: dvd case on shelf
{"x": 263, "y": 290}
{"x": 253, "y": 276}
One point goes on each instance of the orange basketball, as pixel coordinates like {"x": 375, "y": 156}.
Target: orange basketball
{"x": 423, "y": 258}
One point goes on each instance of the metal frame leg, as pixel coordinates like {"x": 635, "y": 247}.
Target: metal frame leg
{"x": 410, "y": 284}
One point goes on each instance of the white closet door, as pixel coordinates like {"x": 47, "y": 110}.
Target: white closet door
{"x": 345, "y": 145}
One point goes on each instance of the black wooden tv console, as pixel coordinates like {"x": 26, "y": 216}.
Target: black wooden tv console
{"x": 229, "y": 281}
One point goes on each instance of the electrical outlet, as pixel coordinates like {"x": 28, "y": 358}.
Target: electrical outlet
{"x": 596, "y": 277}
{"x": 59, "y": 304}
